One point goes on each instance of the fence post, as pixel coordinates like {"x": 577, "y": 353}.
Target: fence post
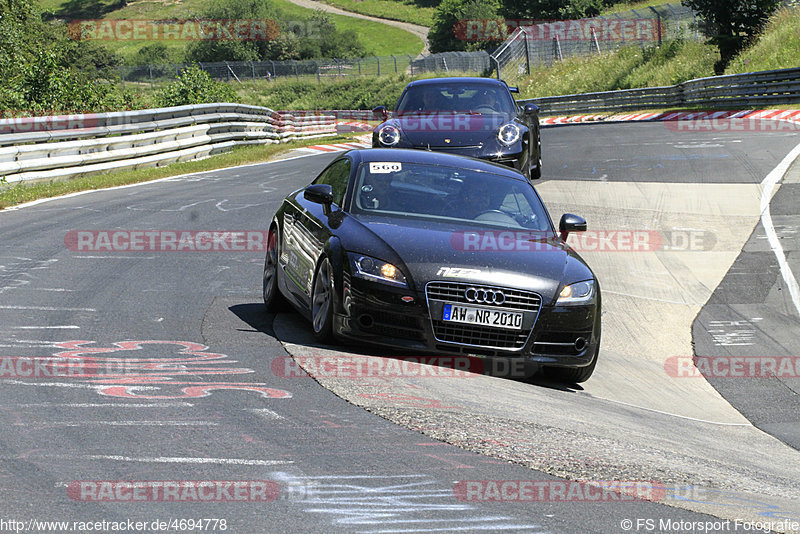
{"x": 410, "y": 64}
{"x": 318, "y": 77}
{"x": 359, "y": 66}
{"x": 557, "y": 49}
{"x": 658, "y": 21}
{"x": 379, "y": 64}
{"x": 253, "y": 67}
{"x": 497, "y": 64}
{"x": 150, "y": 70}
{"x": 596, "y": 44}
{"x": 274, "y": 72}
{"x": 338, "y": 67}
{"x": 395, "y": 64}
{"x": 296, "y": 74}
{"x": 527, "y": 54}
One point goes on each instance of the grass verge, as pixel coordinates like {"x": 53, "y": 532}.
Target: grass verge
{"x": 14, "y": 194}
{"x": 402, "y": 10}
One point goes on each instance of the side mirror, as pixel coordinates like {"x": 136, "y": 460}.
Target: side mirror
{"x": 513, "y": 90}
{"x": 571, "y": 223}
{"x": 383, "y": 111}
{"x": 320, "y": 194}
{"x": 530, "y": 109}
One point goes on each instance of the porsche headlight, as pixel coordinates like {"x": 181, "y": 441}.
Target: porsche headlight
{"x": 377, "y": 270}
{"x": 508, "y": 134}
{"x": 579, "y": 293}
{"x": 389, "y": 135}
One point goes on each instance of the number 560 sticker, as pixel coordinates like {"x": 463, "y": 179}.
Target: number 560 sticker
{"x": 384, "y": 167}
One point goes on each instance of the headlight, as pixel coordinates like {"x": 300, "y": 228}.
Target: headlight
{"x": 389, "y": 135}
{"x": 579, "y": 293}
{"x": 508, "y": 134}
{"x": 377, "y": 270}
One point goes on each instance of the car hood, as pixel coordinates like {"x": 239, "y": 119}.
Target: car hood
{"x": 462, "y": 129}
{"x": 439, "y": 251}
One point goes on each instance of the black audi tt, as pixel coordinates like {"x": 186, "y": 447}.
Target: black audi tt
{"x": 474, "y": 117}
{"x": 435, "y": 253}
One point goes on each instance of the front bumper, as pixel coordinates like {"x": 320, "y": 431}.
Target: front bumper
{"x": 557, "y": 336}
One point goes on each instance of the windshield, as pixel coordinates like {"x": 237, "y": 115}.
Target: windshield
{"x": 460, "y": 98}
{"x": 435, "y": 192}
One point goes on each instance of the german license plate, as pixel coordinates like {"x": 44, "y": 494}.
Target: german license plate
{"x": 482, "y": 317}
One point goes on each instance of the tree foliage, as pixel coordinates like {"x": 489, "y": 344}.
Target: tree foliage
{"x": 43, "y": 70}
{"x": 194, "y": 86}
{"x": 450, "y": 15}
{"x": 306, "y": 38}
{"x": 732, "y": 24}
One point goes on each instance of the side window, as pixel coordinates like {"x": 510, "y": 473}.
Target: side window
{"x": 336, "y": 176}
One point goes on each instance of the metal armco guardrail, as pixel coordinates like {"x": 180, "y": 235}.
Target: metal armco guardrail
{"x": 67, "y": 146}
{"x": 764, "y": 88}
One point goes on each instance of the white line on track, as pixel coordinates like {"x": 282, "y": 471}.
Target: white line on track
{"x": 769, "y": 184}
{"x": 181, "y": 460}
{"x": 114, "y": 423}
{"x": 103, "y": 405}
{"x": 115, "y": 257}
{"x": 159, "y": 180}
{"x": 45, "y": 308}
{"x": 58, "y": 327}
{"x": 266, "y": 413}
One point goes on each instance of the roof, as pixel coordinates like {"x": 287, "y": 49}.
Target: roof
{"x": 406, "y": 155}
{"x": 457, "y": 79}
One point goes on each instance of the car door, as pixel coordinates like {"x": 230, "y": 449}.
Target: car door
{"x": 306, "y": 230}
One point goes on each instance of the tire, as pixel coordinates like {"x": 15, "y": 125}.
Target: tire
{"x": 322, "y": 301}
{"x": 273, "y": 300}
{"x": 537, "y": 172}
{"x": 573, "y": 375}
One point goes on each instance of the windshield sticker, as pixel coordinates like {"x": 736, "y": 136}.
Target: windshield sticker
{"x": 384, "y": 167}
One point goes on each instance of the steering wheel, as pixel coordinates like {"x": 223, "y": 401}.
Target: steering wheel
{"x": 494, "y": 215}
{"x": 485, "y": 109}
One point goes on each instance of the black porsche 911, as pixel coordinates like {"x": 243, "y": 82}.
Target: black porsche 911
{"x": 474, "y": 117}
{"x": 435, "y": 253}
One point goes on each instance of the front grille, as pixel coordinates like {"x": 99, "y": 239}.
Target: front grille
{"x": 481, "y": 336}
{"x": 454, "y": 292}
{"x": 447, "y": 147}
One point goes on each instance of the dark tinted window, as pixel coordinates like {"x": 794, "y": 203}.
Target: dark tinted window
{"x": 460, "y": 98}
{"x": 396, "y": 189}
{"x": 336, "y": 176}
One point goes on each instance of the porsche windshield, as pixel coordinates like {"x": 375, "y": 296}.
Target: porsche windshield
{"x": 456, "y": 98}
{"x": 435, "y": 192}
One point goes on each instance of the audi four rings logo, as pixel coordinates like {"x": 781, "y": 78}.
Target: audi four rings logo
{"x": 486, "y": 296}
